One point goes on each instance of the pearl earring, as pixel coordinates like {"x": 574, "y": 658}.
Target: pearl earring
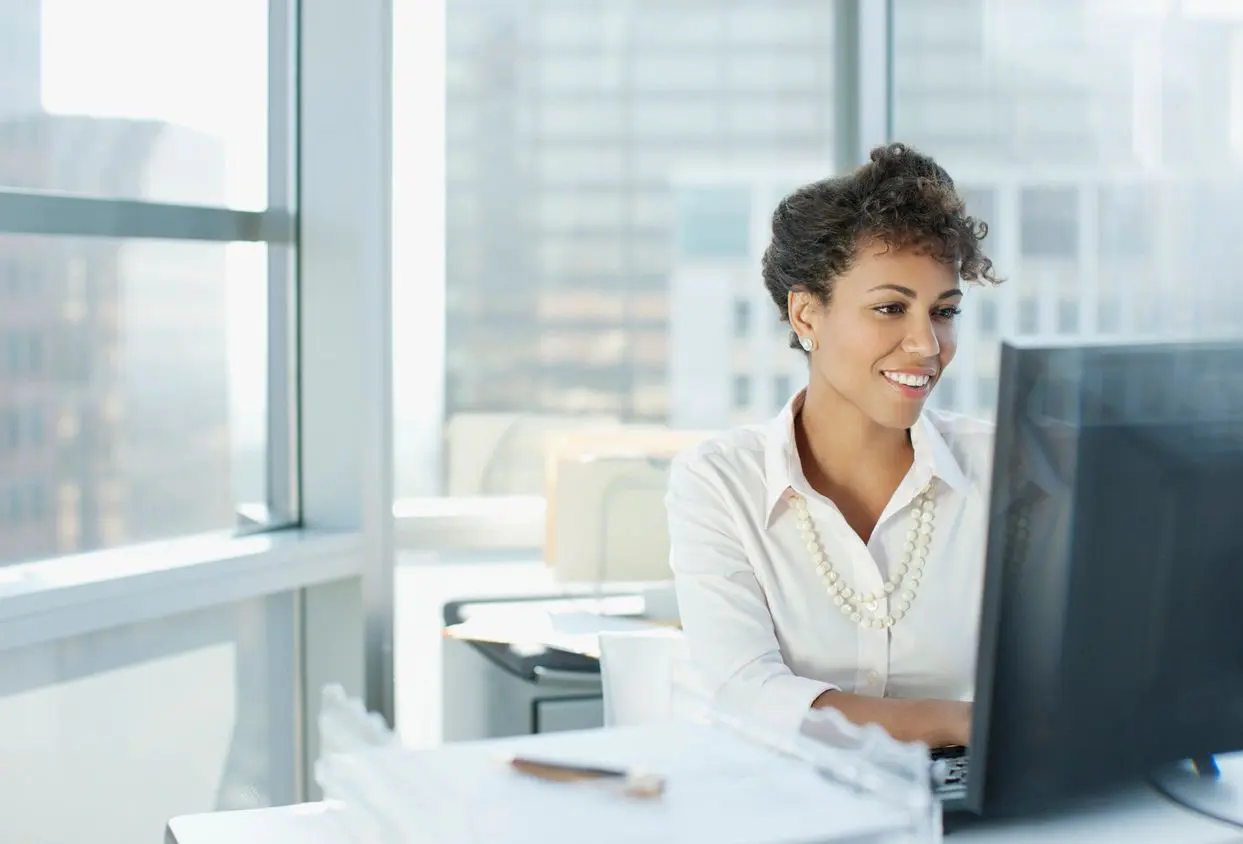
{"x": 807, "y": 343}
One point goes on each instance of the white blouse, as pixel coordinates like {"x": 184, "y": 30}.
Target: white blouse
{"x": 763, "y": 631}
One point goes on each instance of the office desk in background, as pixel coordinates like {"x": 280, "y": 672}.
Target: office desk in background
{"x": 522, "y": 666}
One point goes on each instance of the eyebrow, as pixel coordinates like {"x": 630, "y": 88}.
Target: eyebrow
{"x": 910, "y": 294}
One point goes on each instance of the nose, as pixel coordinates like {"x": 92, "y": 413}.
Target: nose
{"x": 921, "y": 339}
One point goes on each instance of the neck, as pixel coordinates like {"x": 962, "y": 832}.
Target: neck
{"x": 840, "y": 445}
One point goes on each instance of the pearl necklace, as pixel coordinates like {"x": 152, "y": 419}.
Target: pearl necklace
{"x": 861, "y": 608}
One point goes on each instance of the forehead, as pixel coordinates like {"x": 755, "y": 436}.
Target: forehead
{"x": 877, "y": 265}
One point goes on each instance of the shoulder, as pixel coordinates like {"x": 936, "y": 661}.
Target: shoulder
{"x": 969, "y": 438}
{"x": 729, "y": 458}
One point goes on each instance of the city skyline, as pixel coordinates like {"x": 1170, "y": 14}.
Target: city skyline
{"x": 104, "y": 424}
{"x": 1096, "y": 138}
{"x": 88, "y": 60}
{"x": 568, "y": 126}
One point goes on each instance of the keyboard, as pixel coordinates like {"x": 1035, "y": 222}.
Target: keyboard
{"x": 949, "y": 771}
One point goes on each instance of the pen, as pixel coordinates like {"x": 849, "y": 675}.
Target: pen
{"x": 634, "y": 783}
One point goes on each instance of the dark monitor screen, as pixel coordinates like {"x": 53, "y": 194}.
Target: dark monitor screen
{"x": 1112, "y": 624}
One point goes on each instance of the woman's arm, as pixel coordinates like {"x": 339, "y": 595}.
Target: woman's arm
{"x": 937, "y": 723}
{"x": 730, "y": 632}
{"x": 725, "y": 617}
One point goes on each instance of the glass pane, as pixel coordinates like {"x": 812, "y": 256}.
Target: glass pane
{"x": 1109, "y": 138}
{"x": 127, "y": 369}
{"x": 133, "y": 725}
{"x": 584, "y": 203}
{"x": 136, "y": 99}
{"x": 713, "y": 223}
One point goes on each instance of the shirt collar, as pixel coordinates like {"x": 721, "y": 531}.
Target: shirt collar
{"x": 783, "y": 472}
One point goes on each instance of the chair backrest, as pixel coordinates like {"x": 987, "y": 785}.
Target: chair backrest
{"x": 641, "y": 676}
{"x": 505, "y": 453}
{"x": 606, "y": 503}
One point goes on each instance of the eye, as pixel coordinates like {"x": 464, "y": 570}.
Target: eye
{"x": 894, "y": 309}
{"x": 947, "y": 313}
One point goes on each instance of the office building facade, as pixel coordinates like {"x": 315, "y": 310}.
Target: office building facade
{"x": 565, "y": 121}
{"x": 612, "y": 167}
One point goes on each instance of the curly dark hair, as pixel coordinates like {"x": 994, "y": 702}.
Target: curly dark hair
{"x": 901, "y": 198}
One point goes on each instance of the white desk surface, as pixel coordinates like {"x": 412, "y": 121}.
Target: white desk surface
{"x": 1136, "y": 817}
{"x": 305, "y": 823}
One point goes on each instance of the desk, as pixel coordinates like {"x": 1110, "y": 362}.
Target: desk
{"x": 302, "y": 824}
{"x": 517, "y": 666}
{"x": 1136, "y": 817}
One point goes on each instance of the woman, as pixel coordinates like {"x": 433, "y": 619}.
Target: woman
{"x": 834, "y": 557}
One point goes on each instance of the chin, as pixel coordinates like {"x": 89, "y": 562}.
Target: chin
{"x": 898, "y": 406}
{"x": 899, "y": 417}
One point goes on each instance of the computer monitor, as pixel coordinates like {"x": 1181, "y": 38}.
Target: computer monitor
{"x": 1111, "y": 631}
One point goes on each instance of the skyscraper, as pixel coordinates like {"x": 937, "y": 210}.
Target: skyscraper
{"x": 20, "y": 69}
{"x": 566, "y": 123}
{"x": 612, "y": 167}
{"x": 113, "y": 353}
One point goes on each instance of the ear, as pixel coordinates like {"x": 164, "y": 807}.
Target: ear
{"x": 804, "y": 307}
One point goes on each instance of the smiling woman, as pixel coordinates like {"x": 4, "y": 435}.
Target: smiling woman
{"x": 799, "y": 547}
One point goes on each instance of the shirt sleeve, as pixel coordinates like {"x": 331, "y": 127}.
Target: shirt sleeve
{"x": 725, "y": 617}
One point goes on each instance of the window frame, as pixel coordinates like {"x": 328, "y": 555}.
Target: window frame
{"x": 50, "y": 213}
{"x": 330, "y": 420}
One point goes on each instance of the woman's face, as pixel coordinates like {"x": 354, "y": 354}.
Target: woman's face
{"x": 886, "y": 335}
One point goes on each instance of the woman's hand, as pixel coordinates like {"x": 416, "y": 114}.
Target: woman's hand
{"x": 937, "y": 723}
{"x": 948, "y": 723}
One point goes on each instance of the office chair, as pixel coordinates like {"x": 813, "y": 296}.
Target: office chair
{"x": 643, "y": 676}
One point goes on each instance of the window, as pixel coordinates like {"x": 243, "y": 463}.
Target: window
{"x": 619, "y": 148}
{"x": 742, "y": 392}
{"x": 12, "y": 428}
{"x": 169, "y": 385}
{"x": 782, "y": 391}
{"x": 35, "y": 504}
{"x": 134, "y": 351}
{"x": 15, "y": 352}
{"x": 199, "y": 125}
{"x": 986, "y": 390}
{"x": 675, "y": 71}
{"x": 226, "y": 664}
{"x": 1067, "y": 317}
{"x": 988, "y": 316}
{"x": 742, "y": 318}
{"x": 768, "y": 70}
{"x": 1029, "y": 315}
{"x": 1048, "y": 223}
{"x": 1091, "y": 185}
{"x": 945, "y": 394}
{"x": 1107, "y": 317}
{"x": 982, "y": 204}
{"x": 1127, "y": 222}
{"x": 17, "y": 504}
{"x": 800, "y": 23}
{"x": 713, "y": 222}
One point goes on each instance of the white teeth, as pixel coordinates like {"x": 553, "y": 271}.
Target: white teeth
{"x": 908, "y": 380}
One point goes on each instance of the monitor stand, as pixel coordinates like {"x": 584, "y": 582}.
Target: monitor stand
{"x": 1212, "y": 786}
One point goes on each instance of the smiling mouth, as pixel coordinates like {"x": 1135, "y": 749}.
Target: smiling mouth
{"x": 909, "y": 380}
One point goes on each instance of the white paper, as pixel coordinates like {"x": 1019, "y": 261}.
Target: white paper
{"x": 719, "y": 789}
